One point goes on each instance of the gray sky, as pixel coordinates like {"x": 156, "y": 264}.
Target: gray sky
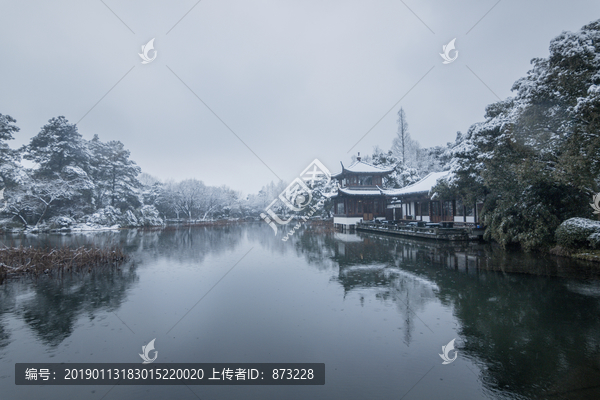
{"x": 295, "y": 80}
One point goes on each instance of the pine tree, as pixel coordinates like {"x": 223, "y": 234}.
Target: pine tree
{"x": 57, "y": 146}
{"x": 122, "y": 173}
{"x": 9, "y": 158}
{"x": 114, "y": 174}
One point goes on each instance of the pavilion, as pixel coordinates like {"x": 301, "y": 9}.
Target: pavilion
{"x": 416, "y": 202}
{"x": 359, "y": 196}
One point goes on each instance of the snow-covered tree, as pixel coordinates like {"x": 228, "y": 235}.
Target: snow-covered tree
{"x": 258, "y": 202}
{"x": 403, "y": 174}
{"x": 114, "y": 174}
{"x": 58, "y": 145}
{"x": 37, "y": 198}
{"x": 165, "y": 198}
{"x": 147, "y": 179}
{"x": 536, "y": 157}
{"x": 9, "y": 158}
{"x": 402, "y": 138}
{"x": 190, "y": 194}
{"x": 404, "y": 148}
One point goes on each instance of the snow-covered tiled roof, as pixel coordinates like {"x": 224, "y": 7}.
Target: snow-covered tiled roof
{"x": 424, "y": 185}
{"x": 360, "y": 192}
{"x": 363, "y": 167}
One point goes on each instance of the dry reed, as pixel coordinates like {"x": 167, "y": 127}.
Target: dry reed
{"x": 35, "y": 261}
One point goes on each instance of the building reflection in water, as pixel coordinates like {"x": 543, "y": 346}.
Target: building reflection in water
{"x": 534, "y": 335}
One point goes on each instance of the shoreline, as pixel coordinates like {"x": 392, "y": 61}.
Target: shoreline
{"x": 84, "y": 228}
{"x": 577, "y": 254}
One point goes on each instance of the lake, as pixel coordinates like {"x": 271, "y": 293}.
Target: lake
{"x": 375, "y": 309}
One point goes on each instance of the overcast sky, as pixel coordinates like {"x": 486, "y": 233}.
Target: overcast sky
{"x": 294, "y": 80}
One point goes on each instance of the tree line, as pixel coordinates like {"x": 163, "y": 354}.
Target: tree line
{"x": 535, "y": 160}
{"x": 76, "y": 180}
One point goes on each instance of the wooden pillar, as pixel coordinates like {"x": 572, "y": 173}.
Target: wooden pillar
{"x": 430, "y": 210}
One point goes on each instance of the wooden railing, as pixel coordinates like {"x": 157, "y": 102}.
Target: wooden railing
{"x": 433, "y": 230}
{"x": 399, "y": 228}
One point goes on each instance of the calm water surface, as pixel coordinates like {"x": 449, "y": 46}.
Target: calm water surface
{"x": 375, "y": 309}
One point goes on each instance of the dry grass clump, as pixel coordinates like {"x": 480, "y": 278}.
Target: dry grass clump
{"x": 35, "y": 261}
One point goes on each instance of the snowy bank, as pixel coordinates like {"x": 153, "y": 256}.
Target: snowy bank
{"x": 579, "y": 233}
{"x": 107, "y": 218}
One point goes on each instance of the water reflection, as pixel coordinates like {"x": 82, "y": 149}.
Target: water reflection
{"x": 185, "y": 243}
{"x": 532, "y": 335}
{"x": 56, "y": 305}
{"x": 51, "y": 307}
{"x": 529, "y": 320}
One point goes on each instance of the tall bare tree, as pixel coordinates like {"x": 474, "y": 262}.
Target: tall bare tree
{"x": 402, "y": 139}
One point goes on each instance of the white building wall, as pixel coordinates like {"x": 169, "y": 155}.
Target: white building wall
{"x": 346, "y": 220}
{"x": 408, "y": 209}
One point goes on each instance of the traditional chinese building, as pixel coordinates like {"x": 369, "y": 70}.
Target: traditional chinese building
{"x": 359, "y": 196}
{"x": 362, "y": 197}
{"x": 416, "y": 202}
